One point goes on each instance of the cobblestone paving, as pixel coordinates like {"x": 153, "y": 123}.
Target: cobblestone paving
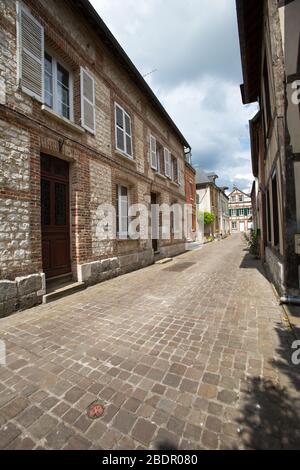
{"x": 186, "y": 356}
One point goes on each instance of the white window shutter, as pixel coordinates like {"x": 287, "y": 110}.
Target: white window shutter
{"x": 167, "y": 155}
{"x": 180, "y": 174}
{"x": 88, "y": 101}
{"x": 153, "y": 156}
{"x": 30, "y": 39}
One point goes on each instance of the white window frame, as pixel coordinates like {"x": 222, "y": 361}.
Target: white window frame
{"x": 168, "y": 163}
{"x": 122, "y": 235}
{"x": 83, "y": 98}
{"x": 124, "y": 132}
{"x": 56, "y": 60}
{"x": 154, "y": 167}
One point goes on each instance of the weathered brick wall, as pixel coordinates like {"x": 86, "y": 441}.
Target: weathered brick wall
{"x": 95, "y": 166}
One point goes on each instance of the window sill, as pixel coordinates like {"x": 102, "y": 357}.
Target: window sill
{"x": 124, "y": 155}
{"x": 161, "y": 176}
{"x": 61, "y": 119}
{"x": 175, "y": 184}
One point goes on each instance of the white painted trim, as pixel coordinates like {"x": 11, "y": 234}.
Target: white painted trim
{"x": 124, "y": 131}
{"x": 83, "y": 97}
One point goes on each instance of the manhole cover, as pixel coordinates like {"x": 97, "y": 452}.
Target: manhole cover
{"x": 179, "y": 267}
{"x": 95, "y": 410}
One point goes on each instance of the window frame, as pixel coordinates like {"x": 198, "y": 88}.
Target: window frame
{"x": 56, "y": 60}
{"x": 124, "y": 113}
{"x": 120, "y": 234}
{"x": 151, "y": 152}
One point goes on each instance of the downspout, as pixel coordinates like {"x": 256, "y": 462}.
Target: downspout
{"x": 290, "y": 300}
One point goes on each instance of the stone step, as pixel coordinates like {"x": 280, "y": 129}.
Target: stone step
{"x": 164, "y": 261}
{"x": 63, "y": 291}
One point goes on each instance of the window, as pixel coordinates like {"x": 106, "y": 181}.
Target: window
{"x": 168, "y": 163}
{"x": 268, "y": 112}
{"x": 241, "y": 198}
{"x": 275, "y": 210}
{"x": 233, "y": 198}
{"x": 123, "y": 131}
{"x": 174, "y": 169}
{"x": 153, "y": 153}
{"x": 233, "y": 225}
{"x": 191, "y": 191}
{"x": 160, "y": 158}
{"x": 268, "y": 209}
{"x": 122, "y": 212}
{"x": 57, "y": 87}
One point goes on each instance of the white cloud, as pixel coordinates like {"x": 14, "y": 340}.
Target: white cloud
{"x": 194, "y": 47}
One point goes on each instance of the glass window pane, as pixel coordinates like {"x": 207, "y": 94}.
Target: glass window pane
{"x": 120, "y": 139}
{"x": 48, "y": 81}
{"x": 48, "y": 64}
{"x": 119, "y": 117}
{"x": 63, "y": 109}
{"x": 128, "y": 145}
{"x": 63, "y": 94}
{"x": 127, "y": 125}
{"x": 62, "y": 75}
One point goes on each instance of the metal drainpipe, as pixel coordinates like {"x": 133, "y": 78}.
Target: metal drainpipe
{"x": 290, "y": 300}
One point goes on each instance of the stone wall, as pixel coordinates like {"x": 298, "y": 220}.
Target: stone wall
{"x": 275, "y": 269}
{"x": 26, "y": 132}
{"x": 22, "y": 293}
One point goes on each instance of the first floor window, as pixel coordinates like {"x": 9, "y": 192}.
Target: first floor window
{"x": 57, "y": 85}
{"x": 122, "y": 212}
{"x": 174, "y": 169}
{"x": 123, "y": 131}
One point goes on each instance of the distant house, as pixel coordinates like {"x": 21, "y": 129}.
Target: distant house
{"x": 190, "y": 195}
{"x": 213, "y": 199}
{"x": 240, "y": 211}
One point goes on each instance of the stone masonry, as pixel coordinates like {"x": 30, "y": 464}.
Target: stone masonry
{"x": 177, "y": 356}
{"x": 27, "y": 131}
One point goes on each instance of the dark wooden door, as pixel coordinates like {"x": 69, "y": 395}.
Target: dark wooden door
{"x": 55, "y": 216}
{"x": 154, "y": 223}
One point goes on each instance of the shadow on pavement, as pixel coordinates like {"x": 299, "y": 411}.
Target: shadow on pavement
{"x": 270, "y": 417}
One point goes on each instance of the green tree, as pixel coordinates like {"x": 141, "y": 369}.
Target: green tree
{"x": 208, "y": 218}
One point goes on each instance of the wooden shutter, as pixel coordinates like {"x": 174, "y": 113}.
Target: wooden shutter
{"x": 180, "y": 175}
{"x": 167, "y": 155}
{"x": 153, "y": 156}
{"x": 30, "y": 39}
{"x": 88, "y": 114}
{"x": 123, "y": 211}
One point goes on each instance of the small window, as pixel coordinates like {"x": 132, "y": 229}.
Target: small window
{"x": 123, "y": 131}
{"x": 160, "y": 158}
{"x": 174, "y": 169}
{"x": 233, "y": 225}
{"x": 57, "y": 87}
{"x": 153, "y": 153}
{"x": 241, "y": 198}
{"x": 122, "y": 212}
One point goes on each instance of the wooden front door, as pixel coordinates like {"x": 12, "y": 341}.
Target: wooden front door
{"x": 55, "y": 217}
{"x": 154, "y": 227}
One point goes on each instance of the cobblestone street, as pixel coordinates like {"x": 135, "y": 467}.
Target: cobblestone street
{"x": 193, "y": 354}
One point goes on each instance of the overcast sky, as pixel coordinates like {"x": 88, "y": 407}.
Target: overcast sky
{"x": 193, "y": 46}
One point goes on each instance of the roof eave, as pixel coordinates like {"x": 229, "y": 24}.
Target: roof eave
{"x": 111, "y": 41}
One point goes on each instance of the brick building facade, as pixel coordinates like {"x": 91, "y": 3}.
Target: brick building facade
{"x": 79, "y": 127}
{"x": 190, "y": 196}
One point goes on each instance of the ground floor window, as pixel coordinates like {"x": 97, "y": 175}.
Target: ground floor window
{"x": 122, "y": 212}
{"x": 233, "y": 225}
